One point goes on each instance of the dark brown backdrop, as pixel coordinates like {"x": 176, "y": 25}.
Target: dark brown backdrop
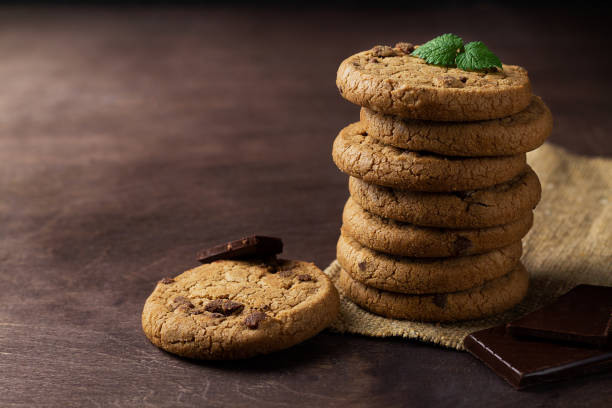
{"x": 131, "y": 138}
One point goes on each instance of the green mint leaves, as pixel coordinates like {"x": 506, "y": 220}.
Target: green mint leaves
{"x": 441, "y": 50}
{"x": 448, "y": 50}
{"x": 477, "y": 57}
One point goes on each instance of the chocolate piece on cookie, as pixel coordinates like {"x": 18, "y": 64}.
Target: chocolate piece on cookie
{"x": 424, "y": 275}
{"x": 233, "y": 309}
{"x": 396, "y": 238}
{"x": 519, "y": 133}
{"x": 497, "y": 205}
{"x": 361, "y": 156}
{"x": 253, "y": 246}
{"x": 404, "y": 85}
{"x": 494, "y": 296}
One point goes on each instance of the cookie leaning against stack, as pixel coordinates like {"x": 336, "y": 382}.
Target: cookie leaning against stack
{"x": 441, "y": 194}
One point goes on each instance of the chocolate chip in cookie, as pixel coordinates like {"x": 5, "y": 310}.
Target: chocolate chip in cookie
{"x": 404, "y": 47}
{"x": 440, "y": 300}
{"x": 224, "y": 306}
{"x": 182, "y": 301}
{"x": 461, "y": 245}
{"x": 383, "y": 51}
{"x": 252, "y": 321}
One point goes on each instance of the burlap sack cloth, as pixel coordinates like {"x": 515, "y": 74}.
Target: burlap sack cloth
{"x": 570, "y": 243}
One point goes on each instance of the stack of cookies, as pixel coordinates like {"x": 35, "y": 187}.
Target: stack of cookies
{"x": 440, "y": 192}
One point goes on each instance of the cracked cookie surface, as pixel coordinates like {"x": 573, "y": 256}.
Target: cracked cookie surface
{"x": 361, "y": 156}
{"x": 423, "y": 275}
{"x": 396, "y": 238}
{"x": 519, "y": 133}
{"x": 495, "y": 296}
{"x": 397, "y": 83}
{"x": 497, "y": 205}
{"x": 239, "y": 309}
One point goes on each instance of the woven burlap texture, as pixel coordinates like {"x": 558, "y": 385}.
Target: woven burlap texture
{"x": 570, "y": 243}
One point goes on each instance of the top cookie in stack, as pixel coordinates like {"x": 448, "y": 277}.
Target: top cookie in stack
{"x": 441, "y": 194}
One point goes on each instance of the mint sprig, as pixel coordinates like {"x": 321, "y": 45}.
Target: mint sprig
{"x": 448, "y": 50}
{"x": 441, "y": 50}
{"x": 477, "y": 57}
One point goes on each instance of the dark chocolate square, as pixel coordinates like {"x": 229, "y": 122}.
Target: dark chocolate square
{"x": 582, "y": 315}
{"x": 526, "y": 362}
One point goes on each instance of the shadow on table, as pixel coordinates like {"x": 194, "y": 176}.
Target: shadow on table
{"x": 321, "y": 348}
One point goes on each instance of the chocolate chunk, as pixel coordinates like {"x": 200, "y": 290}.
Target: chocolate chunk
{"x": 217, "y": 315}
{"x": 182, "y": 301}
{"x": 461, "y": 245}
{"x": 253, "y": 246}
{"x": 196, "y": 312}
{"x": 463, "y": 79}
{"x": 582, "y": 315}
{"x": 373, "y": 59}
{"x": 362, "y": 265}
{"x": 167, "y": 281}
{"x": 285, "y": 273}
{"x": 383, "y": 51}
{"x": 404, "y": 47}
{"x": 224, "y": 306}
{"x": 252, "y": 321}
{"x": 304, "y": 277}
{"x": 463, "y": 194}
{"x": 524, "y": 363}
{"x": 440, "y": 300}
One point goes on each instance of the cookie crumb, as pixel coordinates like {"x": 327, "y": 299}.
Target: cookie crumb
{"x": 224, "y": 307}
{"x": 252, "y": 321}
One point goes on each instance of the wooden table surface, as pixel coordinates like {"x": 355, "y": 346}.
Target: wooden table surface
{"x": 131, "y": 138}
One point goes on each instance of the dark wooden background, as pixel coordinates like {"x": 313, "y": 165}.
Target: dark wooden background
{"x": 130, "y": 138}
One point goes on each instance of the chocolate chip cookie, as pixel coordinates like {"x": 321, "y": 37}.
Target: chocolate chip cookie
{"x": 424, "y": 275}
{"x": 231, "y": 309}
{"x": 519, "y": 133}
{"x": 361, "y": 156}
{"x": 495, "y": 296}
{"x": 390, "y": 80}
{"x": 395, "y": 238}
{"x": 497, "y": 205}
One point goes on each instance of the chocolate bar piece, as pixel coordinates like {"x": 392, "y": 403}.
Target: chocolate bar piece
{"x": 253, "y": 246}
{"x": 526, "y": 362}
{"x": 582, "y": 315}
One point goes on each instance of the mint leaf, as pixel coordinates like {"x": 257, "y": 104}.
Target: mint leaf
{"x": 441, "y": 50}
{"x": 477, "y": 57}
